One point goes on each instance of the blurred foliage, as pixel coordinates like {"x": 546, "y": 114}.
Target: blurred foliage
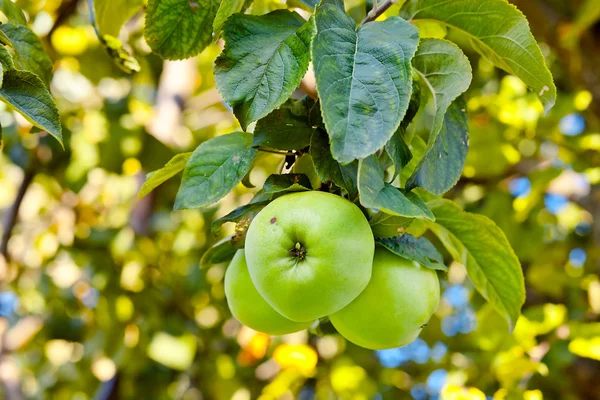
{"x": 102, "y": 294}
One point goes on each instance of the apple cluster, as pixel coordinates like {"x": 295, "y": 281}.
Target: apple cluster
{"x": 311, "y": 255}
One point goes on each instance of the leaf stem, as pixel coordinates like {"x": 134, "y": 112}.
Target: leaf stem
{"x": 283, "y": 153}
{"x": 378, "y": 10}
{"x": 13, "y": 212}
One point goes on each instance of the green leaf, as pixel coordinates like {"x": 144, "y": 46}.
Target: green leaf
{"x": 29, "y": 51}
{"x": 247, "y": 211}
{"x": 120, "y": 56}
{"x": 308, "y": 5}
{"x": 345, "y": 176}
{"x": 177, "y": 29}
{"x": 476, "y": 242}
{"x": 398, "y": 152}
{"x": 442, "y": 166}
{"x": 419, "y": 249}
{"x": 27, "y": 94}
{"x": 264, "y": 60}
{"x": 6, "y": 59}
{"x": 376, "y": 193}
{"x": 446, "y": 71}
{"x": 12, "y": 12}
{"x": 499, "y": 32}
{"x": 112, "y": 14}
{"x": 363, "y": 78}
{"x": 385, "y": 225}
{"x": 286, "y": 128}
{"x": 220, "y": 252}
{"x": 214, "y": 169}
{"x": 286, "y": 183}
{"x": 226, "y": 10}
{"x": 158, "y": 177}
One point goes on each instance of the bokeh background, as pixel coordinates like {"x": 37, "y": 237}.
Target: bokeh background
{"x": 103, "y": 296}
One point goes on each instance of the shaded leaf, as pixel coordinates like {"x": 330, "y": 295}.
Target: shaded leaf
{"x": 286, "y": 128}
{"x": 177, "y": 29}
{"x": 247, "y": 211}
{"x": 345, "y": 176}
{"x": 12, "y": 12}
{"x": 363, "y": 78}
{"x": 286, "y": 183}
{"x": 442, "y": 166}
{"x": 264, "y": 59}
{"x": 29, "y": 51}
{"x": 112, "y": 14}
{"x": 385, "y": 225}
{"x": 214, "y": 169}
{"x": 376, "y": 193}
{"x": 476, "y": 242}
{"x": 419, "y": 249}
{"x": 499, "y": 32}
{"x": 156, "y": 178}
{"x": 6, "y": 59}
{"x": 28, "y": 95}
{"x": 220, "y": 252}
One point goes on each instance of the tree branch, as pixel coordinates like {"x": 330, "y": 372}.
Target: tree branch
{"x": 377, "y": 11}
{"x": 13, "y": 212}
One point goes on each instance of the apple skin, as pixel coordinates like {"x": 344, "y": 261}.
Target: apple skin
{"x": 399, "y": 300}
{"x": 309, "y": 254}
{"x": 247, "y": 305}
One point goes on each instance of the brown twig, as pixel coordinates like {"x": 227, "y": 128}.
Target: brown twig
{"x": 13, "y": 212}
{"x": 377, "y": 11}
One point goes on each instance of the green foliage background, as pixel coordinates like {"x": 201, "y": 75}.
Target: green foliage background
{"x": 103, "y": 293}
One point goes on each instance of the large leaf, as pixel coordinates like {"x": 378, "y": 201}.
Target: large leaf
{"x": 442, "y": 166}
{"x": 286, "y": 183}
{"x": 446, "y": 71}
{"x": 226, "y": 10}
{"x": 27, "y": 94}
{"x": 12, "y": 12}
{"x": 417, "y": 249}
{"x": 286, "y": 128}
{"x": 29, "y": 51}
{"x": 363, "y": 78}
{"x": 499, "y": 31}
{"x": 214, "y": 169}
{"x": 158, "y": 177}
{"x": 345, "y": 176}
{"x": 247, "y": 211}
{"x": 376, "y": 193}
{"x": 177, "y": 29}
{"x": 476, "y": 242}
{"x": 264, "y": 60}
{"x": 112, "y": 14}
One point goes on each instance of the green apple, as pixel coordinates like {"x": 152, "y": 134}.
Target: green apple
{"x": 399, "y": 300}
{"x": 309, "y": 254}
{"x": 247, "y": 305}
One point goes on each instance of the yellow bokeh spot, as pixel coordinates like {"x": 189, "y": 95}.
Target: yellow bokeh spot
{"x": 104, "y": 369}
{"x": 347, "y": 378}
{"x": 70, "y": 41}
{"x": 453, "y": 392}
{"x": 589, "y": 348}
{"x": 582, "y": 100}
{"x": 298, "y": 356}
{"x": 131, "y": 166}
{"x": 590, "y": 142}
{"x": 533, "y": 395}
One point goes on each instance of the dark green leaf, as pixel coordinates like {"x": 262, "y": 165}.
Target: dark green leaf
{"x": 345, "y": 176}
{"x": 177, "y": 29}
{"x": 220, "y": 252}
{"x": 442, "y": 166}
{"x": 499, "y": 32}
{"x": 156, "y": 178}
{"x": 363, "y": 78}
{"x": 286, "y": 183}
{"x": 226, "y": 10}
{"x": 376, "y": 193}
{"x": 417, "y": 249}
{"x": 247, "y": 211}
{"x": 286, "y": 128}
{"x": 112, "y": 14}
{"x": 398, "y": 151}
{"x": 29, "y": 51}
{"x": 12, "y": 12}
{"x": 386, "y": 225}
{"x": 264, "y": 59}
{"x": 6, "y": 59}
{"x": 28, "y": 95}
{"x": 214, "y": 169}
{"x": 476, "y": 242}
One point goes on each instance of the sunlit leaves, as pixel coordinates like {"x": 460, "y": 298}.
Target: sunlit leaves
{"x": 264, "y": 59}
{"x": 177, "y": 29}
{"x": 442, "y": 165}
{"x": 156, "y": 178}
{"x": 214, "y": 169}
{"x": 419, "y": 249}
{"x": 29, "y": 51}
{"x": 476, "y": 242}
{"x": 112, "y": 14}
{"x": 499, "y": 31}
{"x": 226, "y": 10}
{"x": 28, "y": 95}
{"x": 376, "y": 193}
{"x": 12, "y": 12}
{"x": 363, "y": 78}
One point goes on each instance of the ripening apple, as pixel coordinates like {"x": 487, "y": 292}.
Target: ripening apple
{"x": 399, "y": 300}
{"x": 247, "y": 305}
{"x": 309, "y": 254}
